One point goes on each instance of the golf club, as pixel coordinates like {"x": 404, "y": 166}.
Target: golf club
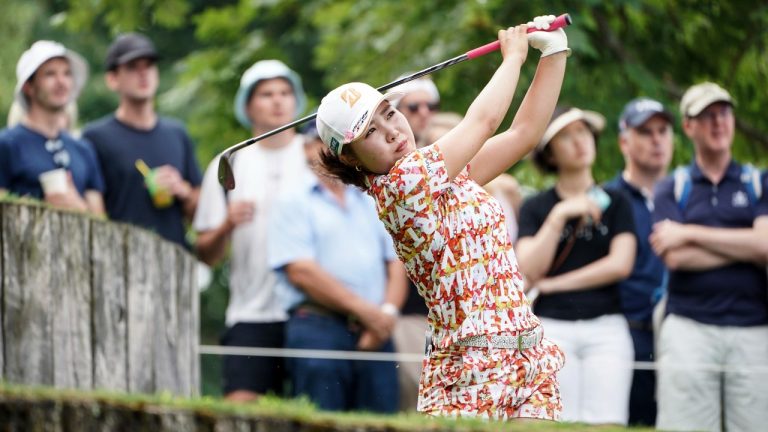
{"x": 226, "y": 175}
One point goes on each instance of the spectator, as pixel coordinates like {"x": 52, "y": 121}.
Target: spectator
{"x": 135, "y": 137}
{"x": 576, "y": 244}
{"x": 34, "y": 153}
{"x": 344, "y": 287}
{"x": 645, "y": 140}
{"x": 486, "y": 354}
{"x": 270, "y": 95}
{"x": 711, "y": 230}
{"x": 418, "y": 103}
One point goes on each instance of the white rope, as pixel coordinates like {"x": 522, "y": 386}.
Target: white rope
{"x": 417, "y": 358}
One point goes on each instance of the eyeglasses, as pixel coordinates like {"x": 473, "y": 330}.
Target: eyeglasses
{"x": 60, "y": 155}
{"x": 414, "y": 107}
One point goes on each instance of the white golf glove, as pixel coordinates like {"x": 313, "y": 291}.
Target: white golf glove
{"x": 547, "y": 42}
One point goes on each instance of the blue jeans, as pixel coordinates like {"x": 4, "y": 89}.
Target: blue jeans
{"x": 338, "y": 385}
{"x": 642, "y": 397}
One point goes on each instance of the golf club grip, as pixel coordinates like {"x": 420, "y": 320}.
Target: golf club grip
{"x": 559, "y": 22}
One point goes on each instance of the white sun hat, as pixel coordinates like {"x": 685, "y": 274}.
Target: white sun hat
{"x": 39, "y": 53}
{"x": 346, "y": 112}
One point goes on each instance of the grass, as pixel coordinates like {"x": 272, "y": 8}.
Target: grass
{"x": 300, "y": 411}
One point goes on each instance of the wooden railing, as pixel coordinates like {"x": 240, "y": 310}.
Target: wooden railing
{"x": 91, "y": 304}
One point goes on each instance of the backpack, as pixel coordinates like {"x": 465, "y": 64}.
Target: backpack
{"x": 750, "y": 178}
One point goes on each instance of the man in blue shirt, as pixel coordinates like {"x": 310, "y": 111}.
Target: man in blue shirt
{"x": 343, "y": 287}
{"x": 645, "y": 139}
{"x": 135, "y": 136}
{"x": 715, "y": 245}
{"x": 49, "y": 77}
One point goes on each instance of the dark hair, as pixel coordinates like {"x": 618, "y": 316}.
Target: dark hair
{"x": 542, "y": 155}
{"x": 334, "y": 167}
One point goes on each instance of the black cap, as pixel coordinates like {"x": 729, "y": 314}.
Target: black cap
{"x": 638, "y": 111}
{"x": 127, "y": 47}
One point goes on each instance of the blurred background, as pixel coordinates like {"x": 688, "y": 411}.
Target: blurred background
{"x": 621, "y": 49}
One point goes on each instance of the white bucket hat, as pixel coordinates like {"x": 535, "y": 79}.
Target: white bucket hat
{"x": 39, "y": 53}
{"x": 264, "y": 70}
{"x": 419, "y": 84}
{"x": 346, "y": 112}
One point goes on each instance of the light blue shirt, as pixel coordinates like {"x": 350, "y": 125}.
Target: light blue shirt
{"x": 348, "y": 242}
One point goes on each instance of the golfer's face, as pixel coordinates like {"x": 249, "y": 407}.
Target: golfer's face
{"x": 387, "y": 139}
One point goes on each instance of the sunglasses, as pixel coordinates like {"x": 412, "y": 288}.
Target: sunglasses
{"x": 416, "y": 106}
{"x": 58, "y": 152}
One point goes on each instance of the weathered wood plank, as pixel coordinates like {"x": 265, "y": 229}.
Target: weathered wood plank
{"x": 186, "y": 289}
{"x": 71, "y": 287}
{"x": 143, "y": 277}
{"x": 27, "y": 295}
{"x": 108, "y": 248}
{"x": 166, "y": 351}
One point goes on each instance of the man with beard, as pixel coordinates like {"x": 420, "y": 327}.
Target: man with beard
{"x": 49, "y": 77}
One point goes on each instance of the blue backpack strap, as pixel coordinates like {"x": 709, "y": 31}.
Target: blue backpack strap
{"x": 682, "y": 186}
{"x": 750, "y": 177}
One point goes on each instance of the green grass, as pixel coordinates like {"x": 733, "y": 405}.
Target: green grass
{"x": 300, "y": 411}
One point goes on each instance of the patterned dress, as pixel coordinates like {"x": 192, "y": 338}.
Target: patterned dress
{"x": 451, "y": 236}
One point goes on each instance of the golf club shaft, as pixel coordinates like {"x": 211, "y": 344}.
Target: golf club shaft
{"x": 226, "y": 177}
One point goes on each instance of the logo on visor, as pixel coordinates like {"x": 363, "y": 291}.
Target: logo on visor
{"x": 351, "y": 96}
{"x": 334, "y": 146}
{"x": 360, "y": 122}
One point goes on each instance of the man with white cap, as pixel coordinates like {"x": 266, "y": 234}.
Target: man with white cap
{"x": 420, "y": 100}
{"x": 270, "y": 95}
{"x": 645, "y": 140}
{"x": 135, "y": 136}
{"x": 711, "y": 232}
{"x": 38, "y": 157}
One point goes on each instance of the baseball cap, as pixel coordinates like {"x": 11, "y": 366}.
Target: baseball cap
{"x": 638, "y": 111}
{"x": 702, "y": 95}
{"x": 264, "y": 70}
{"x": 346, "y": 112}
{"x": 562, "y": 117}
{"x": 39, "y": 53}
{"x": 419, "y": 84}
{"x": 128, "y": 47}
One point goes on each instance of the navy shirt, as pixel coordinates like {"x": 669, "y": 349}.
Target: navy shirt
{"x": 126, "y": 198}
{"x": 23, "y": 157}
{"x": 590, "y": 243}
{"x": 733, "y": 295}
{"x": 637, "y": 291}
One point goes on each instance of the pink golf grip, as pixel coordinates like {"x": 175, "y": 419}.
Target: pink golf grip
{"x": 559, "y": 22}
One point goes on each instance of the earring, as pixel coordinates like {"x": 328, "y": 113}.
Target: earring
{"x": 357, "y": 168}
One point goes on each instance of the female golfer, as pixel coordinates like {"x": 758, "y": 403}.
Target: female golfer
{"x": 486, "y": 353}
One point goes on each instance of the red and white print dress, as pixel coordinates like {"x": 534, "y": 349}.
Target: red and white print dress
{"x": 452, "y": 238}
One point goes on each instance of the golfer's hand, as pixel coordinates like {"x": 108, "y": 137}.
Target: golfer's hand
{"x": 513, "y": 43}
{"x": 667, "y": 235}
{"x": 240, "y": 212}
{"x": 547, "y": 42}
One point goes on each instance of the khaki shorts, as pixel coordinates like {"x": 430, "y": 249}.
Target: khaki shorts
{"x": 495, "y": 383}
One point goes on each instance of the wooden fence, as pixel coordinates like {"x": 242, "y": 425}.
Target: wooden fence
{"x": 91, "y": 304}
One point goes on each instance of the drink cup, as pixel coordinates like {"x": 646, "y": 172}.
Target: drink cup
{"x": 161, "y": 197}
{"x": 54, "y": 181}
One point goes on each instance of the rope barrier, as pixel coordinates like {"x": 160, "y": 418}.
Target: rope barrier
{"x": 417, "y": 358}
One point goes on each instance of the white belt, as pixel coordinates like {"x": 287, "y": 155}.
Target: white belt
{"x": 522, "y": 341}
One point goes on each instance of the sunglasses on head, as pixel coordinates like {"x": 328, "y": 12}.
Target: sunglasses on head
{"x": 60, "y": 155}
{"x": 414, "y": 107}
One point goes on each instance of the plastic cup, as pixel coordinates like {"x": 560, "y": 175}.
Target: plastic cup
{"x": 161, "y": 197}
{"x": 54, "y": 181}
